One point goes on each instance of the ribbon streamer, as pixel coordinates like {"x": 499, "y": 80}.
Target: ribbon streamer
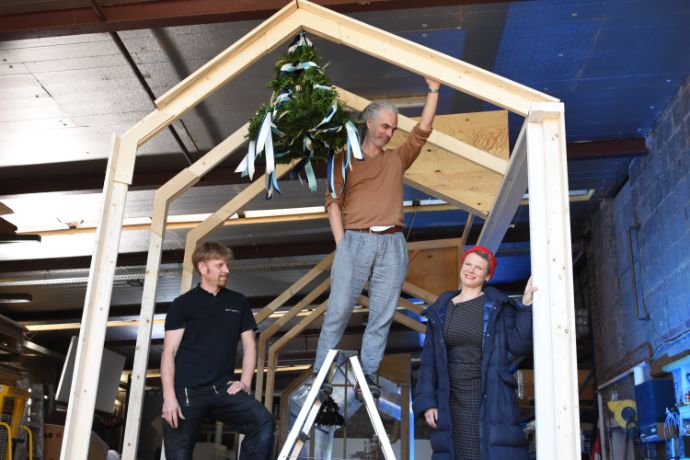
{"x": 300, "y": 40}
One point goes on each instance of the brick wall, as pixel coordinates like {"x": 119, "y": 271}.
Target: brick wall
{"x": 653, "y": 210}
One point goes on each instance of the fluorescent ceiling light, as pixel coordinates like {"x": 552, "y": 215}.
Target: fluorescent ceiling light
{"x": 284, "y": 212}
{"x": 7, "y": 297}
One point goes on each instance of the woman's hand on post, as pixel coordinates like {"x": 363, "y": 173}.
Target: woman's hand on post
{"x": 431, "y": 416}
{"x": 530, "y": 289}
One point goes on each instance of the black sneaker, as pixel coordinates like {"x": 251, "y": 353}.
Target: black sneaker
{"x": 374, "y": 388}
{"x": 326, "y": 390}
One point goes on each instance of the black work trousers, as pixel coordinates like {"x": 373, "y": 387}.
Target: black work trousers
{"x": 240, "y": 412}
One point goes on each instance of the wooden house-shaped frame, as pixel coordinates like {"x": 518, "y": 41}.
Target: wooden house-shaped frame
{"x": 540, "y": 145}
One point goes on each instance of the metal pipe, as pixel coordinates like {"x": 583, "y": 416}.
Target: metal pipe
{"x": 620, "y": 376}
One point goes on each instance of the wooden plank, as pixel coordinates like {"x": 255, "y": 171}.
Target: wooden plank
{"x": 231, "y": 62}
{"x": 418, "y": 309}
{"x": 217, "y": 218}
{"x": 276, "y": 326}
{"x": 323, "y": 266}
{"x": 508, "y": 199}
{"x": 141, "y": 354}
{"x": 220, "y": 152}
{"x": 409, "y": 322}
{"x": 4, "y": 210}
{"x": 433, "y": 244}
{"x": 418, "y": 59}
{"x": 555, "y": 360}
{"x": 416, "y": 291}
{"x": 440, "y": 173}
{"x": 82, "y": 399}
{"x": 466, "y": 231}
{"x": 453, "y": 131}
{"x": 280, "y": 343}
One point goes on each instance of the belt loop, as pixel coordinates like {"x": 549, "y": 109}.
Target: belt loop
{"x": 186, "y": 395}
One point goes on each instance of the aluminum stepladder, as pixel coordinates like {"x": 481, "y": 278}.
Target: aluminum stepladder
{"x": 299, "y": 433}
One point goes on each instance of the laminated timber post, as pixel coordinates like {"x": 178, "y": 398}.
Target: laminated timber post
{"x": 97, "y": 301}
{"x": 555, "y": 360}
{"x": 508, "y": 199}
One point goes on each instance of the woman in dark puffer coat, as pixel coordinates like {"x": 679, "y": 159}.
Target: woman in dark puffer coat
{"x": 465, "y": 388}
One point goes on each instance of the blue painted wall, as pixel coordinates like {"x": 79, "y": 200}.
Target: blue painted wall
{"x": 655, "y": 203}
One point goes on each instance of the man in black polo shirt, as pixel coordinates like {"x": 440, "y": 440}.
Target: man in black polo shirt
{"x": 202, "y": 330}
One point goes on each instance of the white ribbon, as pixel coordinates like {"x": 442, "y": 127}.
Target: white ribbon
{"x": 264, "y": 141}
{"x": 303, "y": 40}
{"x": 353, "y": 140}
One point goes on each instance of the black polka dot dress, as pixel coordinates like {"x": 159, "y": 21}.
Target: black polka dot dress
{"x": 463, "y": 332}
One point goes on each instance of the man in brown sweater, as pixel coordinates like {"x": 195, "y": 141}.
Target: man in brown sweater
{"x": 366, "y": 217}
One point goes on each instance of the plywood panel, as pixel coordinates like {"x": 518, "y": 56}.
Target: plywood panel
{"x": 435, "y": 270}
{"x": 460, "y": 182}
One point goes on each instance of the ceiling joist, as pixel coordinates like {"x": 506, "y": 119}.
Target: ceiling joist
{"x": 34, "y": 20}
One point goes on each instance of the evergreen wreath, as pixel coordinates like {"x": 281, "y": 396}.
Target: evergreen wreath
{"x": 304, "y": 119}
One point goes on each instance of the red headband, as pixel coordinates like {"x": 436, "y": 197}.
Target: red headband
{"x": 483, "y": 250}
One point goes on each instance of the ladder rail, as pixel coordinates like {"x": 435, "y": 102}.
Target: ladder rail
{"x": 299, "y": 432}
{"x": 370, "y": 405}
{"x": 308, "y": 402}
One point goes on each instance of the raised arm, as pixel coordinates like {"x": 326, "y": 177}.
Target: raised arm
{"x": 429, "y": 111}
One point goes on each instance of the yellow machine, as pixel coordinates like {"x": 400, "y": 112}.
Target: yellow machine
{"x": 624, "y": 412}
{"x": 12, "y": 404}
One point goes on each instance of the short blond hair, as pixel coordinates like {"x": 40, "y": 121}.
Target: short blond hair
{"x": 208, "y": 251}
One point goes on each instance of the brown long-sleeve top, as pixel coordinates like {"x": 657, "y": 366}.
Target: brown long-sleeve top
{"x": 373, "y": 192}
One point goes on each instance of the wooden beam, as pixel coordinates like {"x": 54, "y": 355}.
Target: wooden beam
{"x": 432, "y": 244}
{"x": 411, "y": 289}
{"x": 440, "y": 139}
{"x": 88, "y": 175}
{"x": 323, "y": 266}
{"x": 231, "y": 222}
{"x": 231, "y": 62}
{"x": 277, "y": 325}
{"x": 466, "y": 232}
{"x": 555, "y": 360}
{"x": 613, "y": 148}
{"x": 216, "y": 219}
{"x": 82, "y": 399}
{"x": 280, "y": 343}
{"x": 418, "y": 59}
{"x": 508, "y": 199}
{"x": 409, "y": 322}
{"x": 34, "y": 22}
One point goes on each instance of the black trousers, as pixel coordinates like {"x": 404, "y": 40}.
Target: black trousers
{"x": 240, "y": 412}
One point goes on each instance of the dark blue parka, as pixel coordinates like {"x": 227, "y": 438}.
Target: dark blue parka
{"x": 507, "y": 334}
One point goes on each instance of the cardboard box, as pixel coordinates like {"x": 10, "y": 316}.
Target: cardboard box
{"x": 52, "y": 442}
